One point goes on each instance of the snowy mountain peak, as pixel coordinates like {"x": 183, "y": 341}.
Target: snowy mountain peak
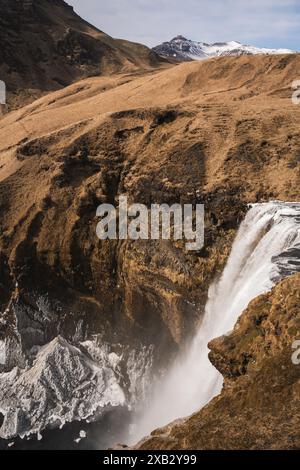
{"x": 184, "y": 49}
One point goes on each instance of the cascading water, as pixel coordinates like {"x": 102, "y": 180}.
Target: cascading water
{"x": 266, "y": 249}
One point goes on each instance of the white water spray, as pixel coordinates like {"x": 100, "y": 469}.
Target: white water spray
{"x": 269, "y": 230}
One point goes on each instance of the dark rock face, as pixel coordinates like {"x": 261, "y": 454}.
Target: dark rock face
{"x": 180, "y": 49}
{"x": 288, "y": 262}
{"x": 45, "y": 46}
{"x": 148, "y": 290}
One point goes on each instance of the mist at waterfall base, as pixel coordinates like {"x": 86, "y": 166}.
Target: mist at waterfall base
{"x": 265, "y": 250}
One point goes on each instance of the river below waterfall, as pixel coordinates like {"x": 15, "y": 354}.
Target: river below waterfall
{"x": 112, "y": 429}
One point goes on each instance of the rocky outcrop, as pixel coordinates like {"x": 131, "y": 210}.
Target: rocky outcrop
{"x": 46, "y": 46}
{"x": 258, "y": 407}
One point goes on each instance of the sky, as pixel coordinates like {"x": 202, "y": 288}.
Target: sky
{"x": 265, "y": 23}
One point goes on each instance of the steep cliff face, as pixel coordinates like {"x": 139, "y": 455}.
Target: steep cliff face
{"x": 73, "y": 149}
{"x": 45, "y": 46}
{"x": 258, "y": 407}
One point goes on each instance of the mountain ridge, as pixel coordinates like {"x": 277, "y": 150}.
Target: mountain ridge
{"x": 183, "y": 49}
{"x": 46, "y": 46}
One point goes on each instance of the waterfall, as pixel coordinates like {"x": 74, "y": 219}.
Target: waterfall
{"x": 266, "y": 248}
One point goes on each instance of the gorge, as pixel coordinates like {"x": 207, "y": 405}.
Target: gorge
{"x": 105, "y": 341}
{"x": 265, "y": 251}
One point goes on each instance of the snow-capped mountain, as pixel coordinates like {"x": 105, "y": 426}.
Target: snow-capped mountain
{"x": 184, "y": 49}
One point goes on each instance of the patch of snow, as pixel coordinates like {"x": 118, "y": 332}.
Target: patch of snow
{"x": 63, "y": 385}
